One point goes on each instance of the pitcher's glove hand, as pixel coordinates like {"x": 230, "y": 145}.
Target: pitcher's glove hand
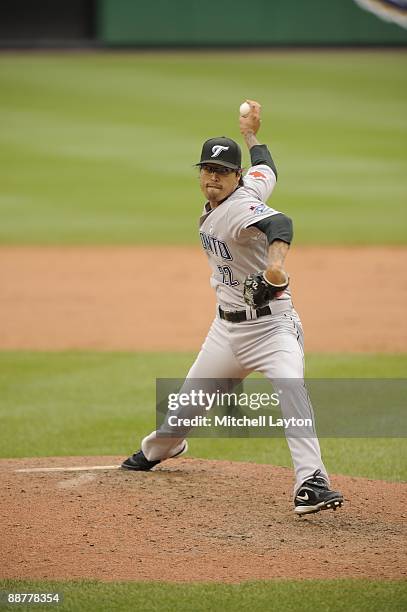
{"x": 258, "y": 291}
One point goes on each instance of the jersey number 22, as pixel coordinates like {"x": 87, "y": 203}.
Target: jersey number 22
{"x": 227, "y": 276}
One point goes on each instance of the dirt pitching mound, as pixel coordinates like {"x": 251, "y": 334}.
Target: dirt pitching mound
{"x": 192, "y": 520}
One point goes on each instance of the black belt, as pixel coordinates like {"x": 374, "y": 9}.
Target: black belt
{"x": 240, "y": 315}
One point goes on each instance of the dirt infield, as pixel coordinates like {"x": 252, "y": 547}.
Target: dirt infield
{"x": 177, "y": 523}
{"x": 351, "y": 299}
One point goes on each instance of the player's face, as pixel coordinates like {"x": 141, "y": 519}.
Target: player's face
{"x": 217, "y": 182}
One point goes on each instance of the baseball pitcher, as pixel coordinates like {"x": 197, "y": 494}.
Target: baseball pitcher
{"x": 256, "y": 328}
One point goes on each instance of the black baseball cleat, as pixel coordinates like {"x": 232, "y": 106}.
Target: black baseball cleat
{"x": 138, "y": 461}
{"x": 314, "y": 495}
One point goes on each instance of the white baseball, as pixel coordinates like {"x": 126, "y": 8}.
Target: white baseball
{"x": 244, "y": 109}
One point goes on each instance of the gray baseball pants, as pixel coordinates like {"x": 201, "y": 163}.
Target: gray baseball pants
{"x": 272, "y": 345}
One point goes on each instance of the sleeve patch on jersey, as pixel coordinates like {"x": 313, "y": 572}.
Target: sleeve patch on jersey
{"x": 257, "y": 174}
{"x": 259, "y": 209}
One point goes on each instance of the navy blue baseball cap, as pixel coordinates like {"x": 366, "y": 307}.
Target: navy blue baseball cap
{"x": 223, "y": 152}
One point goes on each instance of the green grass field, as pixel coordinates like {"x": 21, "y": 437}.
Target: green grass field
{"x": 279, "y": 595}
{"x": 102, "y": 403}
{"x": 98, "y": 148}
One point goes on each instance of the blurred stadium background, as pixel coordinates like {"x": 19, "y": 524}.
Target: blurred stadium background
{"x": 104, "y": 105}
{"x": 115, "y": 23}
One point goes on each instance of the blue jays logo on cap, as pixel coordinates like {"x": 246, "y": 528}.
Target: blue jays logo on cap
{"x": 222, "y": 151}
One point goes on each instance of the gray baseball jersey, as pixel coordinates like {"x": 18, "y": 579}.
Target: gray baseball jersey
{"x": 235, "y": 248}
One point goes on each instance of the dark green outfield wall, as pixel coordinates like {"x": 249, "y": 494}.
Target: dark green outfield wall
{"x": 241, "y": 22}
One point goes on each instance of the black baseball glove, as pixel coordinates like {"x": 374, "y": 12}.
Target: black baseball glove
{"x": 257, "y": 291}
